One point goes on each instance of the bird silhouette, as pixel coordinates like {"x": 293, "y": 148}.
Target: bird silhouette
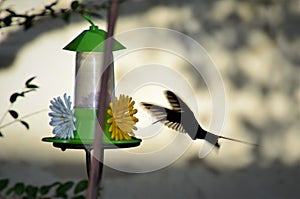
{"x": 182, "y": 119}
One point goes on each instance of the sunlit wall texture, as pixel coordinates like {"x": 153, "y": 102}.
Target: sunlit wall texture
{"x": 255, "y": 47}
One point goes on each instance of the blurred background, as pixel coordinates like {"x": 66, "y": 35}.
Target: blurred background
{"x": 255, "y": 46}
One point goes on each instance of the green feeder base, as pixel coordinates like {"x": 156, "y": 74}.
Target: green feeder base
{"x": 79, "y": 143}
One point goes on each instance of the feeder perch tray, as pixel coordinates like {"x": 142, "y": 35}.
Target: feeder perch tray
{"x": 80, "y": 144}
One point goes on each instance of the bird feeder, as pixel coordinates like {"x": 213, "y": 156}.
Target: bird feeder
{"x": 89, "y": 47}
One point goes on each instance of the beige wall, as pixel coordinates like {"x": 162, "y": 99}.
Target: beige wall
{"x": 248, "y": 58}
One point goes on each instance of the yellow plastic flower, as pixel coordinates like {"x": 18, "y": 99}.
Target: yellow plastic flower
{"x": 122, "y": 120}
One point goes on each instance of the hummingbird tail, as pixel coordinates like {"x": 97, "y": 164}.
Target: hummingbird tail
{"x": 236, "y": 140}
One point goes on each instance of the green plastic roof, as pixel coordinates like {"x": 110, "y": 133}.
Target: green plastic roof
{"x": 91, "y": 40}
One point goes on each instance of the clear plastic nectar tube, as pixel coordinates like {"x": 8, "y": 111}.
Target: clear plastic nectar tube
{"x": 89, "y": 68}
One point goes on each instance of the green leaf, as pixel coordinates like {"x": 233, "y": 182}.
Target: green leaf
{"x": 75, "y": 5}
{"x": 45, "y": 189}
{"x": 10, "y": 191}
{"x": 31, "y": 191}
{"x": 31, "y": 86}
{"x": 14, "y": 114}
{"x": 66, "y": 16}
{"x": 81, "y": 186}
{"x": 27, "y": 24}
{"x": 25, "y": 124}
{"x": 19, "y": 188}
{"x": 104, "y": 6}
{"x": 63, "y": 188}
{"x": 14, "y": 97}
{"x": 7, "y": 20}
{"x": 29, "y": 80}
{"x": 4, "y": 182}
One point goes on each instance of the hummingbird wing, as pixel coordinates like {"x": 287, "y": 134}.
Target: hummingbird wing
{"x": 179, "y": 118}
{"x": 175, "y": 126}
{"x": 168, "y": 117}
{"x": 187, "y": 119}
{"x": 177, "y": 103}
{"x": 173, "y": 100}
{"x": 158, "y": 112}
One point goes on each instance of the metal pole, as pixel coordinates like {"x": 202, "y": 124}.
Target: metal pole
{"x": 104, "y": 99}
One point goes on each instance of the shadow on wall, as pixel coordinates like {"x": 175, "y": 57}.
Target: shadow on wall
{"x": 22, "y": 37}
{"x": 279, "y": 22}
{"x": 195, "y": 182}
{"x": 262, "y": 12}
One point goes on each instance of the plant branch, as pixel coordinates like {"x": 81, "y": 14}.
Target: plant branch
{"x": 12, "y": 18}
{"x": 23, "y": 117}
{"x": 29, "y": 87}
{"x": 5, "y": 114}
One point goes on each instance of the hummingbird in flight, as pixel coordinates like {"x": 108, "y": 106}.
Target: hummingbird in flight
{"x": 181, "y": 118}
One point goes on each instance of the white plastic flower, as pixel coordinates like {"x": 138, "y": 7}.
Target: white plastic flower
{"x": 62, "y": 117}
